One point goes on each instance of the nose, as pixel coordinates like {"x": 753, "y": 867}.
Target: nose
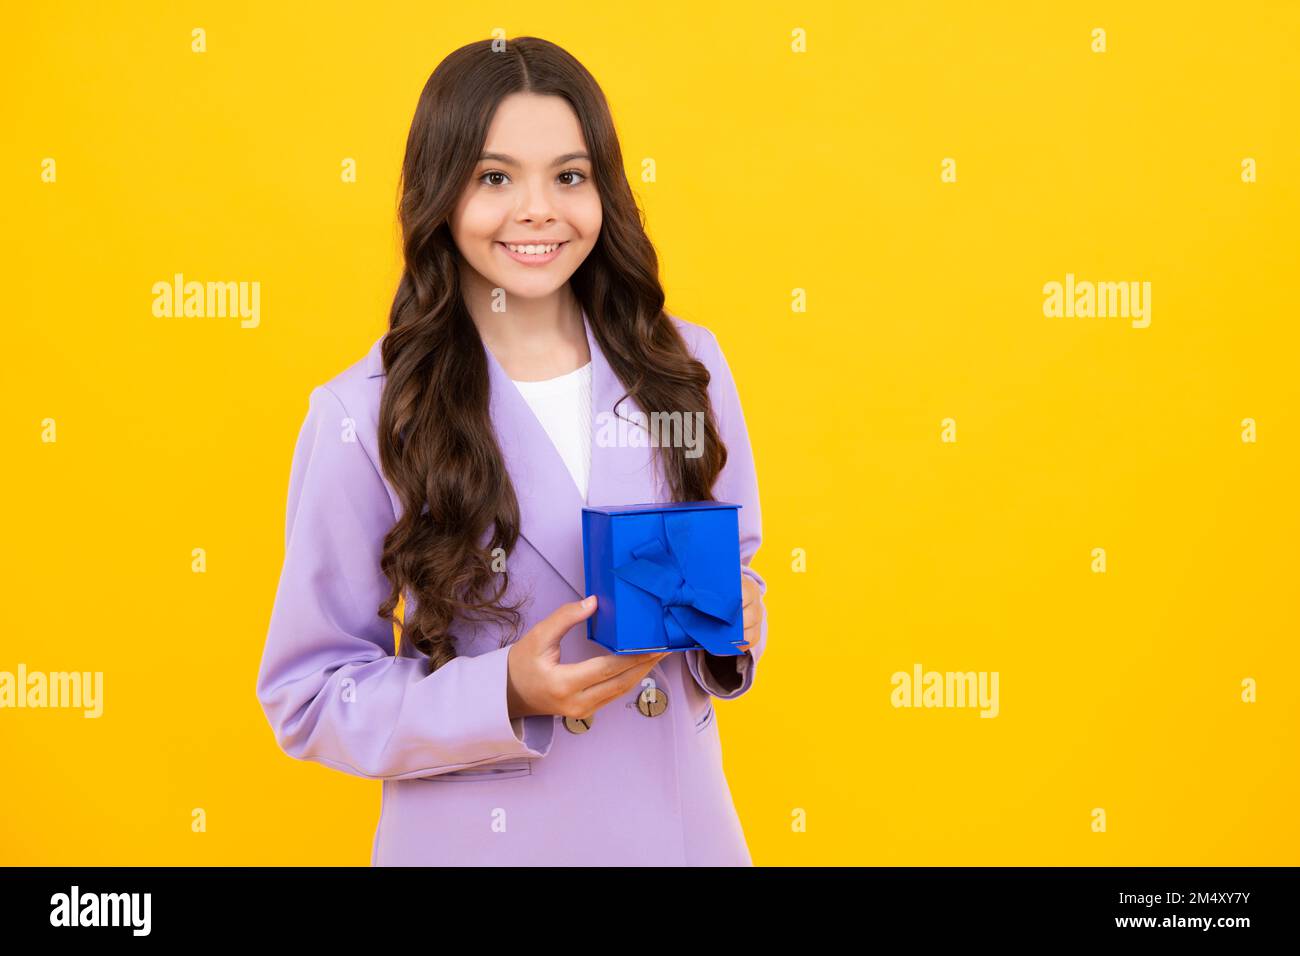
{"x": 535, "y": 204}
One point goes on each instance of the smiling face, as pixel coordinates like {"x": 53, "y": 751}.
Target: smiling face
{"x": 531, "y": 213}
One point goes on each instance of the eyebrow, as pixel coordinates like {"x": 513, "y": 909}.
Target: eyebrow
{"x": 510, "y": 160}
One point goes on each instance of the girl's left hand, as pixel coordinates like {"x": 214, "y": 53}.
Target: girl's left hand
{"x": 753, "y": 610}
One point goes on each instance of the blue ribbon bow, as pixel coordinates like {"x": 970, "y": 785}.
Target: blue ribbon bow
{"x": 690, "y": 613}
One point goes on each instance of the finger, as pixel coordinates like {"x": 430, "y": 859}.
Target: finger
{"x": 753, "y": 615}
{"x": 559, "y": 622}
{"x": 612, "y": 687}
{"x": 603, "y": 667}
{"x": 598, "y": 695}
{"x": 749, "y": 590}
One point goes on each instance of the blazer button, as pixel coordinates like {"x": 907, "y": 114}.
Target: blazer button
{"x": 578, "y": 725}
{"x": 652, "y": 701}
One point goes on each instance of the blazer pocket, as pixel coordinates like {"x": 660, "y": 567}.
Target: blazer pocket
{"x": 502, "y": 770}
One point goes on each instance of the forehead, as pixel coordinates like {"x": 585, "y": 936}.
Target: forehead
{"x": 534, "y": 129}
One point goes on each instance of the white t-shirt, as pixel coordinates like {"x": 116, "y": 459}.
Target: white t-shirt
{"x": 563, "y": 406}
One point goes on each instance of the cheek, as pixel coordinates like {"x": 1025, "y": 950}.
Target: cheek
{"x": 588, "y": 223}
{"x": 478, "y": 220}
{"x": 586, "y": 217}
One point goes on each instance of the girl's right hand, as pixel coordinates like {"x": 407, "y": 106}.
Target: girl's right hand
{"x": 537, "y": 683}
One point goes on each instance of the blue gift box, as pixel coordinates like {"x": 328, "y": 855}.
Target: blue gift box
{"x": 666, "y": 577}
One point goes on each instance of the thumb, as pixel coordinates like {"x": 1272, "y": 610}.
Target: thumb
{"x": 560, "y": 621}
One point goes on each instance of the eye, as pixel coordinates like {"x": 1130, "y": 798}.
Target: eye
{"x": 496, "y": 172}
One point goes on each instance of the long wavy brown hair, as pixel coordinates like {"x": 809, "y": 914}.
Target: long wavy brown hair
{"x": 436, "y": 441}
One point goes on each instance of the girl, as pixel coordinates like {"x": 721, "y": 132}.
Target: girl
{"x": 449, "y": 467}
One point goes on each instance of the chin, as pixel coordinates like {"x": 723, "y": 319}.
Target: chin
{"x": 530, "y": 290}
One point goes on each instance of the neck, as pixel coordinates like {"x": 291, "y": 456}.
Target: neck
{"x": 534, "y": 339}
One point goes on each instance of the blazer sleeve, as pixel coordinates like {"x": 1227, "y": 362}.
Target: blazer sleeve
{"x": 330, "y": 683}
{"x": 738, "y": 482}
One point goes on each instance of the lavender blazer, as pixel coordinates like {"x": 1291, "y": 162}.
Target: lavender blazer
{"x": 460, "y": 786}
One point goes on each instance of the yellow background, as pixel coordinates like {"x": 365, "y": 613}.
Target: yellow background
{"x": 776, "y": 171}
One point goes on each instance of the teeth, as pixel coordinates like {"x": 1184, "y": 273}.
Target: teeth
{"x": 533, "y": 250}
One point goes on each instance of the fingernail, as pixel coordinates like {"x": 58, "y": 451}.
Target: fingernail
{"x": 588, "y": 602}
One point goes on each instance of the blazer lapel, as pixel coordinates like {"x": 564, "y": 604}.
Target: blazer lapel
{"x": 550, "y": 505}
